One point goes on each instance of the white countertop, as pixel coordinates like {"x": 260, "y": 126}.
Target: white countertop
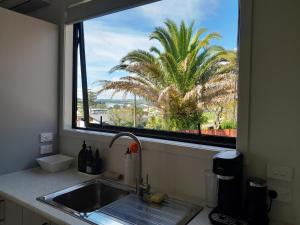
{"x": 24, "y": 187}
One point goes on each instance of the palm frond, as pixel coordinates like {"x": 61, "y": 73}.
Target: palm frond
{"x": 161, "y": 34}
{"x": 138, "y": 89}
{"x": 195, "y": 38}
{"x": 173, "y": 31}
{"x": 183, "y": 40}
{"x": 171, "y": 68}
{"x": 155, "y": 50}
{"x": 192, "y": 94}
{"x": 166, "y": 94}
{"x": 209, "y": 67}
{"x": 140, "y": 80}
{"x": 140, "y": 56}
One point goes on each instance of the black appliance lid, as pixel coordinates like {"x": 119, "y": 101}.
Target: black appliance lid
{"x": 228, "y": 163}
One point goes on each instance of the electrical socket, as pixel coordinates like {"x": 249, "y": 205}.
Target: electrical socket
{"x": 284, "y": 191}
{"x": 46, "y": 149}
{"x": 282, "y": 173}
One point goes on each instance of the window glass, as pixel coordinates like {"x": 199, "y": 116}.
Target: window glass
{"x": 166, "y": 66}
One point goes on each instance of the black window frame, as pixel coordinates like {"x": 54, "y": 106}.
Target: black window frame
{"x": 79, "y": 45}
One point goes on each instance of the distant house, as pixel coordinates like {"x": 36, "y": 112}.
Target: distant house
{"x": 96, "y": 114}
{"x": 94, "y": 117}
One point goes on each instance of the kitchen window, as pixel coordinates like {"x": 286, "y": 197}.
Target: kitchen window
{"x": 164, "y": 70}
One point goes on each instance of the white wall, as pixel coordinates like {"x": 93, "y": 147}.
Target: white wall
{"x": 28, "y": 87}
{"x": 176, "y": 170}
{"x": 274, "y": 107}
{"x": 275, "y": 96}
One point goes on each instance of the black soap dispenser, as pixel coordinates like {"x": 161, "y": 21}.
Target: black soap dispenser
{"x": 82, "y": 158}
{"x": 89, "y": 161}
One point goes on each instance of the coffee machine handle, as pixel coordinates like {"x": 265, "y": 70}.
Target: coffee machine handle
{"x": 272, "y": 195}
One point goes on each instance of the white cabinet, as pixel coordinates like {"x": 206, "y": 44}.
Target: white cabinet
{"x": 1, "y": 212}
{"x": 12, "y": 213}
{"x": 31, "y": 218}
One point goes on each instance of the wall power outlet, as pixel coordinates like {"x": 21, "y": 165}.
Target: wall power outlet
{"x": 46, "y": 149}
{"x": 284, "y": 191}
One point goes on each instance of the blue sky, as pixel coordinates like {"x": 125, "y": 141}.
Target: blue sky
{"x": 110, "y": 37}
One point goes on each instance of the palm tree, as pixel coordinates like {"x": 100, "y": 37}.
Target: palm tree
{"x": 221, "y": 91}
{"x": 173, "y": 77}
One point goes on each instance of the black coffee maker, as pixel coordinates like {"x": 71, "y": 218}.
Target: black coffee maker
{"x": 256, "y": 203}
{"x": 257, "y": 196}
{"x": 228, "y": 166}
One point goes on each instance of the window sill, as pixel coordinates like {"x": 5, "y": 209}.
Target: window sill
{"x": 153, "y": 144}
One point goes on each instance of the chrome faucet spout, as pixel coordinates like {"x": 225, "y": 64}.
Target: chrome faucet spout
{"x": 140, "y": 185}
{"x": 128, "y": 134}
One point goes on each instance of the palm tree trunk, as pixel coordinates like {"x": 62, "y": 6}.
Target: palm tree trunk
{"x": 218, "y": 117}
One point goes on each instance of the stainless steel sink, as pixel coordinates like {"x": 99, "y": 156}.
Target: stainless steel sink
{"x": 90, "y": 197}
{"x": 85, "y": 198}
{"x": 101, "y": 201}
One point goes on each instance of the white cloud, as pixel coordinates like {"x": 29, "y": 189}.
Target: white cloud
{"x": 106, "y": 44}
{"x": 179, "y": 9}
{"x": 98, "y": 68}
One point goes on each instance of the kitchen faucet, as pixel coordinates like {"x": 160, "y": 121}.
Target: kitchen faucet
{"x": 141, "y": 188}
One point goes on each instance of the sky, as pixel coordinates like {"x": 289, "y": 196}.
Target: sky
{"x": 109, "y": 38}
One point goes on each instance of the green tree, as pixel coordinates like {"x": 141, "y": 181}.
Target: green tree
{"x": 173, "y": 77}
{"x": 93, "y": 102}
{"x": 92, "y": 96}
{"x": 224, "y": 85}
{"x": 123, "y": 116}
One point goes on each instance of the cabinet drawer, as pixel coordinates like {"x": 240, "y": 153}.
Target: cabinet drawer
{"x": 31, "y": 218}
{"x": 12, "y": 213}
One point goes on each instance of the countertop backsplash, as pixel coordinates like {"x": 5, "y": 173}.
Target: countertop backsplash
{"x": 169, "y": 171}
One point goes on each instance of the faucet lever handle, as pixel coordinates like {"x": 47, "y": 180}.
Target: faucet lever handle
{"x": 147, "y": 185}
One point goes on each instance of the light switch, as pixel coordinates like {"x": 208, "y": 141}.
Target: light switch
{"x": 46, "y": 137}
{"x": 46, "y": 149}
{"x": 283, "y": 173}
